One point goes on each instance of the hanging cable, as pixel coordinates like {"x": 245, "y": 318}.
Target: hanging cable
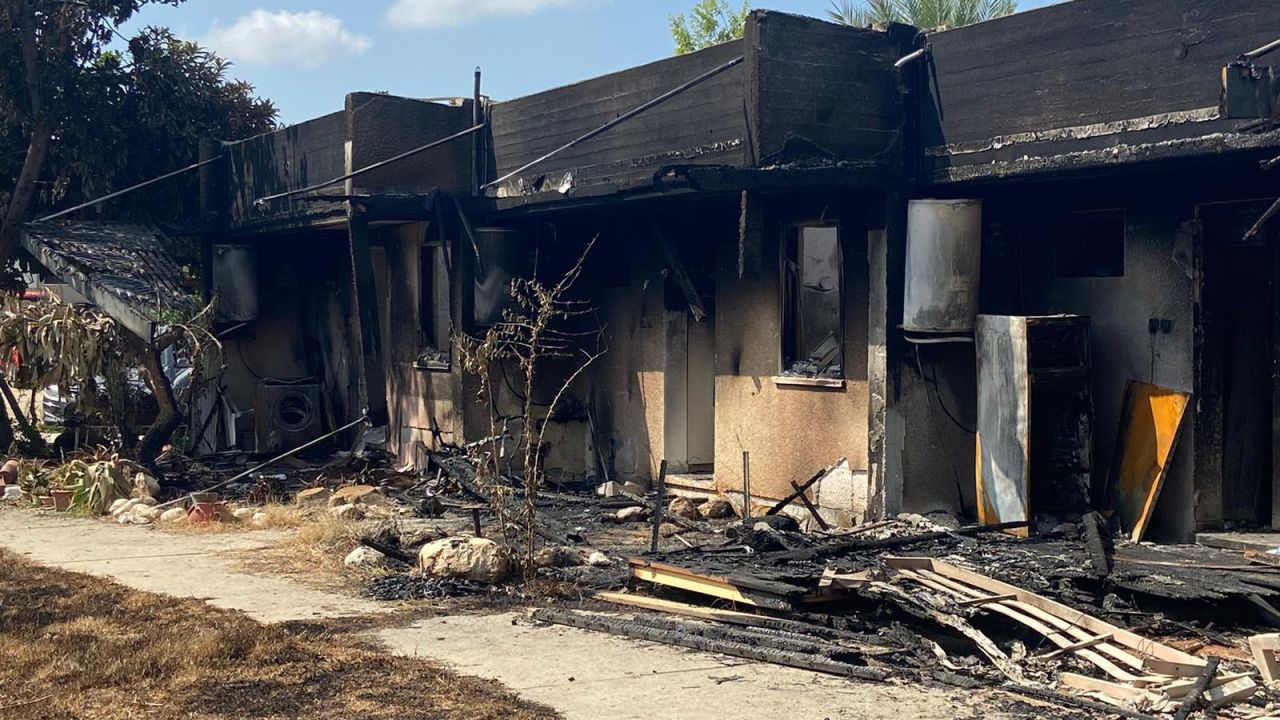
{"x": 127, "y": 190}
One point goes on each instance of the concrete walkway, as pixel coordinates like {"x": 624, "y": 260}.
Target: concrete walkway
{"x": 584, "y": 675}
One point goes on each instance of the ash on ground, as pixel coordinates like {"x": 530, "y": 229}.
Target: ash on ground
{"x": 410, "y": 587}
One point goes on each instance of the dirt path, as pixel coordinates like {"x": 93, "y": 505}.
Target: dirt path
{"x": 583, "y": 675}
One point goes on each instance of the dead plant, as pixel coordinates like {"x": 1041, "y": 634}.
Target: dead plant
{"x": 533, "y": 337}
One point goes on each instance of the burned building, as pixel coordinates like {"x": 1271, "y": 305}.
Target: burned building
{"x": 749, "y": 206}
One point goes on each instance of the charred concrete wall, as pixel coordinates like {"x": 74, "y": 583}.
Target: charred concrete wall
{"x": 304, "y": 329}
{"x": 294, "y": 157}
{"x": 791, "y": 429}
{"x": 1021, "y": 275}
{"x": 628, "y": 384}
{"x": 1057, "y": 88}
{"x": 422, "y": 400}
{"x": 380, "y": 126}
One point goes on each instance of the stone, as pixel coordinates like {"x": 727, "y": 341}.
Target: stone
{"x": 118, "y": 507}
{"x": 716, "y": 508}
{"x": 357, "y": 495}
{"x": 313, "y": 497}
{"x": 632, "y": 514}
{"x": 243, "y": 513}
{"x": 259, "y": 519}
{"x": 150, "y": 512}
{"x": 477, "y": 559}
{"x": 598, "y": 559}
{"x": 147, "y": 500}
{"x": 685, "y": 508}
{"x": 173, "y": 514}
{"x": 146, "y": 485}
{"x": 558, "y": 556}
{"x": 347, "y": 512}
{"x": 367, "y": 558}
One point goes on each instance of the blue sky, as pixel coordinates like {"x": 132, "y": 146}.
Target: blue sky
{"x": 307, "y": 54}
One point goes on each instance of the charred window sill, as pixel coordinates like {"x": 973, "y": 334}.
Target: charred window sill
{"x": 813, "y": 382}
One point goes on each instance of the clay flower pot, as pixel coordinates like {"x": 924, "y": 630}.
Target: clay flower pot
{"x": 9, "y": 473}
{"x": 27, "y": 498}
{"x": 61, "y": 499}
{"x": 46, "y": 501}
{"x": 204, "y": 512}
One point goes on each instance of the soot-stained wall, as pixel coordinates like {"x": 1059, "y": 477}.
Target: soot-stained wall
{"x": 305, "y": 325}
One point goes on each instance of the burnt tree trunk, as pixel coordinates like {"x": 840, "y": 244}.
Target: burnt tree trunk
{"x": 169, "y": 417}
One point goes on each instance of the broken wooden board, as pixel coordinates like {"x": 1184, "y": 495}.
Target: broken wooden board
{"x": 989, "y": 586}
{"x": 738, "y": 588}
{"x": 1151, "y": 420}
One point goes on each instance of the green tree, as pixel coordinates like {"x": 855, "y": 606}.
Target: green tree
{"x": 926, "y": 14}
{"x": 78, "y": 119}
{"x": 710, "y": 22}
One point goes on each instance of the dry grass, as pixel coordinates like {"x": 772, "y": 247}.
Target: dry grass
{"x": 279, "y": 517}
{"x": 314, "y": 553}
{"x": 74, "y": 646}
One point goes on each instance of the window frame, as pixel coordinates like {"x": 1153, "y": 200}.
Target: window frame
{"x": 785, "y": 376}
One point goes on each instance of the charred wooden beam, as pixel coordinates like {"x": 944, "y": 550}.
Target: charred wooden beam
{"x": 850, "y": 546}
{"x": 678, "y": 273}
{"x": 632, "y": 629}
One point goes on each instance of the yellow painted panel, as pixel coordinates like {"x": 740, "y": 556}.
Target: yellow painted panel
{"x": 1149, "y": 424}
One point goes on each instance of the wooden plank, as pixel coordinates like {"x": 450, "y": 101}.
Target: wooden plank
{"x": 670, "y": 606}
{"x": 1119, "y": 635}
{"x": 1180, "y": 688}
{"x": 1078, "y": 645}
{"x": 744, "y": 590}
{"x": 985, "y": 600}
{"x": 1126, "y": 694}
{"x": 1232, "y": 692}
{"x": 1017, "y": 614}
{"x": 1151, "y": 421}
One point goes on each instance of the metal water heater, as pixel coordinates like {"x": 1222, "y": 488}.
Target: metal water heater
{"x": 944, "y": 261}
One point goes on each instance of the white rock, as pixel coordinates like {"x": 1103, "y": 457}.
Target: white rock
{"x": 366, "y": 557}
{"x": 243, "y": 513}
{"x": 118, "y": 506}
{"x": 147, "y": 500}
{"x": 716, "y": 508}
{"x": 12, "y": 492}
{"x": 633, "y": 514}
{"x": 598, "y": 559}
{"x": 558, "y": 556}
{"x": 146, "y": 483}
{"x": 349, "y": 511}
{"x": 259, "y": 519}
{"x": 478, "y": 559}
{"x": 685, "y": 508}
{"x": 149, "y": 512}
{"x": 173, "y": 514}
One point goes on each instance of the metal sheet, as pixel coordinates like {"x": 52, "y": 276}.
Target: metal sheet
{"x": 1004, "y": 400}
{"x": 1150, "y": 421}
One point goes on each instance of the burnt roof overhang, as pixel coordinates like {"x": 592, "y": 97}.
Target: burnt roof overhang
{"x": 120, "y": 267}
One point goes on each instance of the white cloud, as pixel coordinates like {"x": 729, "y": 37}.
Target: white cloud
{"x": 448, "y": 13}
{"x": 305, "y": 39}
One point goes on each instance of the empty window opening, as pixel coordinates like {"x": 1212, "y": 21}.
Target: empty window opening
{"x": 433, "y": 304}
{"x": 812, "y": 302}
{"x": 1091, "y": 244}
